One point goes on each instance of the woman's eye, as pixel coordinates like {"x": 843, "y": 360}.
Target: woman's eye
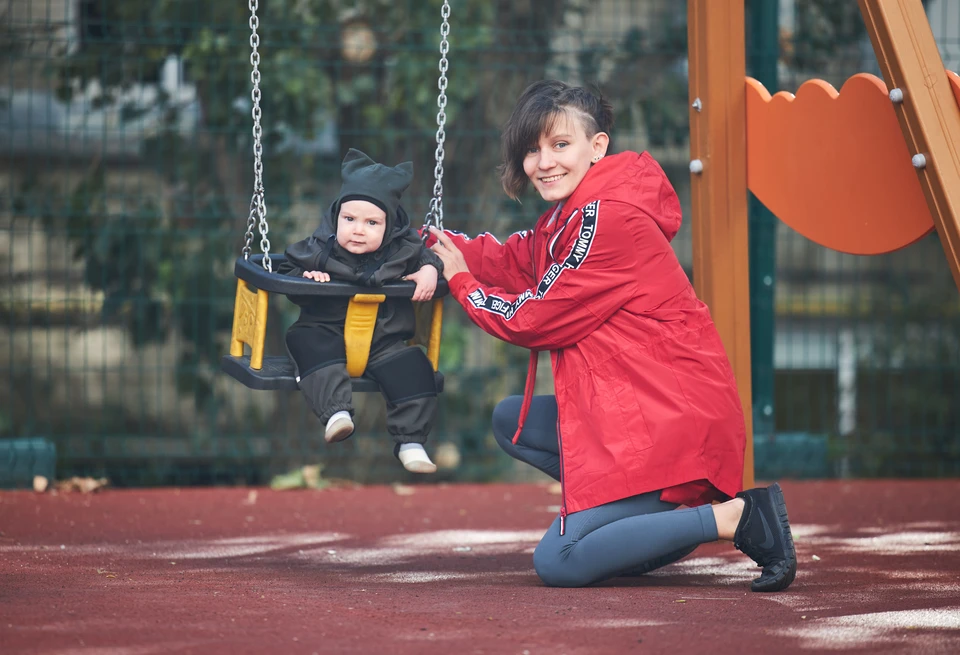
{"x": 532, "y": 151}
{"x": 562, "y": 144}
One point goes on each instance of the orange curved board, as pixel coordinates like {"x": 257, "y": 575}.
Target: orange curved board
{"x": 835, "y": 167}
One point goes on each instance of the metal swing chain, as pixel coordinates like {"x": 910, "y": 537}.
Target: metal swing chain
{"x": 258, "y": 205}
{"x": 434, "y": 215}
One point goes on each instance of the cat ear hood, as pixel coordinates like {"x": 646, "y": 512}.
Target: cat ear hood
{"x": 365, "y": 179}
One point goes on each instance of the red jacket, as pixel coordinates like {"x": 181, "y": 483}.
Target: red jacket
{"x": 646, "y": 395}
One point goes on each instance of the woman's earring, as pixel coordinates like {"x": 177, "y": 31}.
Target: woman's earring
{"x": 596, "y": 159}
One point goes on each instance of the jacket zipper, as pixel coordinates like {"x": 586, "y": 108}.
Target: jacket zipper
{"x": 563, "y": 492}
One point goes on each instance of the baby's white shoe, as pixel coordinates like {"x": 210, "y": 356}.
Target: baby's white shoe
{"x": 415, "y": 459}
{"x": 339, "y": 427}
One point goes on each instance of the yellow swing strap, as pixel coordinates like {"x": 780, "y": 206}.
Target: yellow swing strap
{"x": 358, "y": 330}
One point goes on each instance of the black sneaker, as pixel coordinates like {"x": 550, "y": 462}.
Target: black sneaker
{"x": 764, "y": 534}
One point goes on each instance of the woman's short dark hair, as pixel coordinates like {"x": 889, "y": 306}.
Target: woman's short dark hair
{"x": 538, "y": 107}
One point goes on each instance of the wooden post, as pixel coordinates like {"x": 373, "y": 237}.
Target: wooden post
{"x": 928, "y": 114}
{"x": 715, "y": 30}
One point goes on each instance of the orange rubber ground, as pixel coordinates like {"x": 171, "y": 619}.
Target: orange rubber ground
{"x": 447, "y": 569}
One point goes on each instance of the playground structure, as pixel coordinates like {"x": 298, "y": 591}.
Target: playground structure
{"x": 833, "y": 166}
{"x": 430, "y": 568}
{"x": 854, "y": 359}
{"x": 829, "y": 165}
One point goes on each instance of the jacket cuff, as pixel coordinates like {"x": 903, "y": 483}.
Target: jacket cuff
{"x": 432, "y": 258}
{"x": 462, "y": 284}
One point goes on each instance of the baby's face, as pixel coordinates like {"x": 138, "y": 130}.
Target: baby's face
{"x": 360, "y": 226}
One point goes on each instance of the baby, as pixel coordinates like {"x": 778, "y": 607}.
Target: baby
{"x": 366, "y": 239}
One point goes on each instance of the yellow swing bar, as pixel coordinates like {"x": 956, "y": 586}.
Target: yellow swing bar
{"x": 249, "y": 323}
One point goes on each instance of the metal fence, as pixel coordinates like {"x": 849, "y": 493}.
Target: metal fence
{"x": 866, "y": 350}
{"x": 126, "y": 175}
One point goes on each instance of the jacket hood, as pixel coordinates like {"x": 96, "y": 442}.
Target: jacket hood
{"x": 634, "y": 179}
{"x": 365, "y": 179}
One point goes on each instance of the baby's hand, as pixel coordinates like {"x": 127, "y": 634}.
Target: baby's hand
{"x": 317, "y": 276}
{"x": 426, "y": 279}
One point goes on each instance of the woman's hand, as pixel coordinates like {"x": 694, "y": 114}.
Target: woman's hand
{"x": 426, "y": 279}
{"x": 453, "y": 261}
{"x": 317, "y": 276}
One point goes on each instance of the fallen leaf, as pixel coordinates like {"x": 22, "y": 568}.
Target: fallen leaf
{"x": 287, "y": 481}
{"x": 311, "y": 476}
{"x": 251, "y": 498}
{"x": 816, "y": 559}
{"x": 83, "y": 485}
{"x": 555, "y": 488}
{"x": 305, "y": 477}
{"x": 40, "y": 483}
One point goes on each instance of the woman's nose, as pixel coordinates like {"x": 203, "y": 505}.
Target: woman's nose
{"x": 546, "y": 161}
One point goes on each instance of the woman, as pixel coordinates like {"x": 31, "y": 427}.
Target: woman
{"x": 646, "y": 415}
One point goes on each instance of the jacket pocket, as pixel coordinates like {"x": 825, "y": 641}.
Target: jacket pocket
{"x": 630, "y": 426}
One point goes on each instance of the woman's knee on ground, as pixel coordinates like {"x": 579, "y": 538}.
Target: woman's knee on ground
{"x": 553, "y": 568}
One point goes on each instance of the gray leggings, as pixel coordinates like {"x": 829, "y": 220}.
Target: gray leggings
{"x": 627, "y": 537}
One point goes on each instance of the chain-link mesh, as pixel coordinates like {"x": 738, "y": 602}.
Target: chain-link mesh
{"x": 126, "y": 150}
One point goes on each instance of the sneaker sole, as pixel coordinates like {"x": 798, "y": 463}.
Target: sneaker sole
{"x": 420, "y": 467}
{"x": 789, "y": 572}
{"x": 338, "y": 431}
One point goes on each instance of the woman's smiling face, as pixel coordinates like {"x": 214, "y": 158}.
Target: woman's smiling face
{"x": 560, "y": 160}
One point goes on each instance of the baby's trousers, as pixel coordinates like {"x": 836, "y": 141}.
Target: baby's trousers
{"x": 628, "y": 537}
{"x": 404, "y": 373}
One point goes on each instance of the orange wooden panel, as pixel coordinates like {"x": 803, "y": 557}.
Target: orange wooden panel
{"x": 955, "y": 85}
{"x": 928, "y": 116}
{"x": 835, "y": 167}
{"x": 715, "y": 33}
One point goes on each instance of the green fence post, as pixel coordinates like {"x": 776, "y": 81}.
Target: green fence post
{"x": 762, "y": 57}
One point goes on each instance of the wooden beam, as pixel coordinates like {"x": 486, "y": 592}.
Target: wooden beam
{"x": 715, "y": 30}
{"x": 928, "y": 115}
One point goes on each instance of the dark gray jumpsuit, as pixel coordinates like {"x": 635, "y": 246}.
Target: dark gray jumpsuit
{"x": 315, "y": 341}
